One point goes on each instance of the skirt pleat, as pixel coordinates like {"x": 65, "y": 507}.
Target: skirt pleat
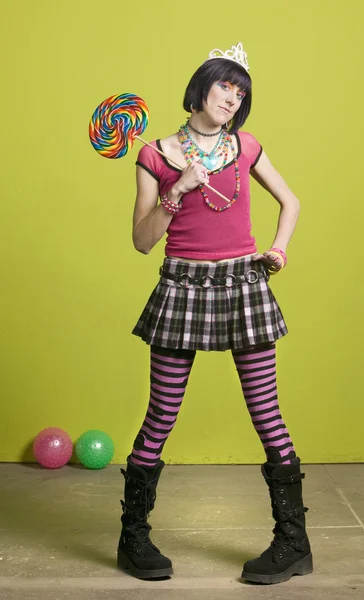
{"x": 214, "y": 317}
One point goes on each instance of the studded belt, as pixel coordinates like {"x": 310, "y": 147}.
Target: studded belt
{"x": 185, "y": 279}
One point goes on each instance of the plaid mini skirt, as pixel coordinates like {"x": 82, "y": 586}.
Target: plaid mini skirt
{"x": 211, "y": 306}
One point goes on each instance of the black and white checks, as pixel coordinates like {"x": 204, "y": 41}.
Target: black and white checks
{"x": 211, "y": 317}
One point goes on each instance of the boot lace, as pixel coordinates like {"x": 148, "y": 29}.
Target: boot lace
{"x": 145, "y": 495}
{"x": 282, "y": 540}
{"x": 138, "y": 533}
{"x": 138, "y": 529}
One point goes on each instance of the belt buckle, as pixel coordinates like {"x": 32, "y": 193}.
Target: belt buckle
{"x": 206, "y": 278}
{"x": 233, "y": 280}
{"x": 187, "y": 283}
{"x": 248, "y": 278}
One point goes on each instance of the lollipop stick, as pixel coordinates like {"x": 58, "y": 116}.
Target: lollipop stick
{"x": 137, "y": 137}
{"x": 179, "y": 166}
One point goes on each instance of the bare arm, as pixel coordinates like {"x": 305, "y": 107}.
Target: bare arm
{"x": 269, "y": 178}
{"x": 150, "y": 221}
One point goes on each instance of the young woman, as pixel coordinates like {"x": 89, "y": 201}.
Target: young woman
{"x": 213, "y": 294}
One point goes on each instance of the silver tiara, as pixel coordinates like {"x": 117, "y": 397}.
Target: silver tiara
{"x": 236, "y": 53}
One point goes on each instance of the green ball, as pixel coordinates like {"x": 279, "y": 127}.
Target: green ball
{"x": 94, "y": 449}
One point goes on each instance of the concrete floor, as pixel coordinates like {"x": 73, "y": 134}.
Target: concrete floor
{"x": 59, "y": 530}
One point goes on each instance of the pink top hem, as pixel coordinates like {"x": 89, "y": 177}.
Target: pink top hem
{"x": 214, "y": 255}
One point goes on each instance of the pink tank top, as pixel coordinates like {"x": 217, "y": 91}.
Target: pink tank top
{"x": 197, "y": 231}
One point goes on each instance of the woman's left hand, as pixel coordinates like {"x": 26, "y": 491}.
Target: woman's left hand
{"x": 271, "y": 261}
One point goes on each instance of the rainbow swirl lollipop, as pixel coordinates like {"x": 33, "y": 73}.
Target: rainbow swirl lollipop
{"x": 116, "y": 123}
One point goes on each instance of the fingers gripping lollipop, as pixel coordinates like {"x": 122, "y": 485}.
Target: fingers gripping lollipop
{"x": 117, "y": 122}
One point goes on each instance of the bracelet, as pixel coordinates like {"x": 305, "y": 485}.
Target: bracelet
{"x": 171, "y": 207}
{"x": 283, "y": 255}
{"x": 275, "y": 271}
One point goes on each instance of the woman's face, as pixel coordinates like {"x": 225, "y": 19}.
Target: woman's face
{"x": 222, "y": 102}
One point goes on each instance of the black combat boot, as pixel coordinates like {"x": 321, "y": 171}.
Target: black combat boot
{"x": 289, "y": 553}
{"x": 136, "y": 551}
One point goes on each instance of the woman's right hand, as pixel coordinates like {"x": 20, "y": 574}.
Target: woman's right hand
{"x": 192, "y": 176}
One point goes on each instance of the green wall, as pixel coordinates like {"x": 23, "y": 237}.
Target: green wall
{"x": 72, "y": 284}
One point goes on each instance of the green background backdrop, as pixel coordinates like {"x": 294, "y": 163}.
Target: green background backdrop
{"x": 73, "y": 285}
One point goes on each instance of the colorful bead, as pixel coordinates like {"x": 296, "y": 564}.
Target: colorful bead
{"x": 170, "y": 206}
{"x": 191, "y": 150}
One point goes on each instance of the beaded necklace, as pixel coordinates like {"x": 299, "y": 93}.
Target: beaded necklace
{"x": 191, "y": 150}
{"x": 208, "y": 159}
{"x": 200, "y": 132}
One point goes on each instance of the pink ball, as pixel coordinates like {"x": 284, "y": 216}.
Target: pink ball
{"x": 52, "y": 447}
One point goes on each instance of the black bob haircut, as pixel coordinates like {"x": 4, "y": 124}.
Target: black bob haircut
{"x": 211, "y": 71}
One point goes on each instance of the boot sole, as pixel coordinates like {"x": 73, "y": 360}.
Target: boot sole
{"x": 301, "y": 567}
{"x": 125, "y": 563}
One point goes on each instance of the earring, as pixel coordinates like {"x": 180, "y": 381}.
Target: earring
{"x": 229, "y": 125}
{"x": 192, "y": 107}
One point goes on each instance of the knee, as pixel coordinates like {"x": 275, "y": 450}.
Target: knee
{"x": 139, "y": 442}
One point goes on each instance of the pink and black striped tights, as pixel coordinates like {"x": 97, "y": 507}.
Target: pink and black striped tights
{"x": 170, "y": 370}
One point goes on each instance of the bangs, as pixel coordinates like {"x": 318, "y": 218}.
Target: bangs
{"x": 221, "y": 69}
